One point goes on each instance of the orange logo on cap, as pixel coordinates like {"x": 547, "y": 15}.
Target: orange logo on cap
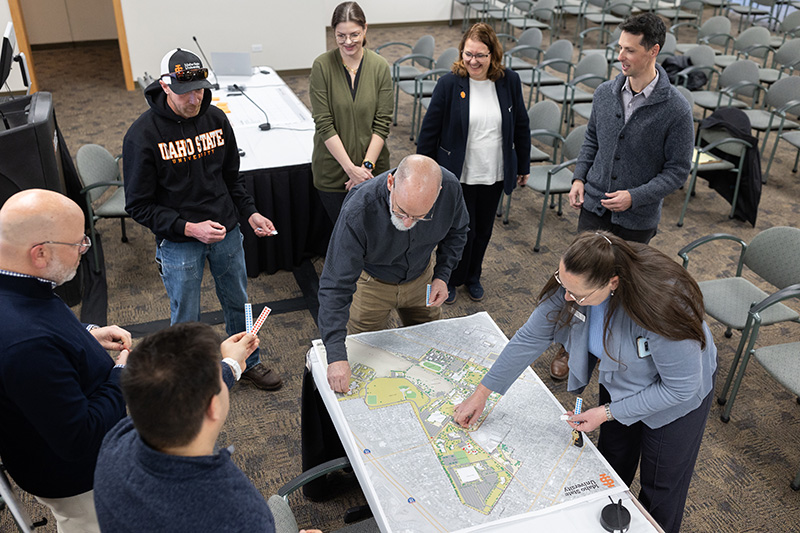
{"x": 463, "y": 94}
{"x": 179, "y": 68}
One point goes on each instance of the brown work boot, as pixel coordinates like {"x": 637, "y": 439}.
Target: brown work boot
{"x": 263, "y": 378}
{"x": 559, "y": 366}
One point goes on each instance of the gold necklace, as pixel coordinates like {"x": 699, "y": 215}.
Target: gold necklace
{"x": 353, "y": 71}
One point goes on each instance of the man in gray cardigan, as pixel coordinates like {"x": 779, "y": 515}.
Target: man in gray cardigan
{"x": 638, "y": 146}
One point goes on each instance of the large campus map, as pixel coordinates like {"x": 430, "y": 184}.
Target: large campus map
{"x": 428, "y": 473}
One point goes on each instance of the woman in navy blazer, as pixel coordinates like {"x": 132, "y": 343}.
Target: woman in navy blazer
{"x": 477, "y": 128}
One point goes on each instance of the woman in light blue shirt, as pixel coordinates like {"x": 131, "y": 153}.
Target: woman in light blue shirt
{"x": 638, "y": 314}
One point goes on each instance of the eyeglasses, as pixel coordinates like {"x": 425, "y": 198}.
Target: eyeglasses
{"x": 84, "y": 245}
{"x": 470, "y": 55}
{"x": 577, "y": 300}
{"x": 195, "y": 74}
{"x": 402, "y": 216}
{"x": 354, "y": 37}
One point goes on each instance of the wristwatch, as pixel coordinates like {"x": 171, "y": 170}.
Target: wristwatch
{"x": 369, "y": 165}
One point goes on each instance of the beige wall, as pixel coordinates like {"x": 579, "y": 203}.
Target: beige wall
{"x": 14, "y": 80}
{"x": 62, "y": 21}
{"x": 291, "y": 33}
{"x": 389, "y": 12}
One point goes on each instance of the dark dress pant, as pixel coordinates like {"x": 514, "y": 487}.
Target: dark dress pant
{"x": 481, "y": 202}
{"x": 588, "y": 221}
{"x": 667, "y": 455}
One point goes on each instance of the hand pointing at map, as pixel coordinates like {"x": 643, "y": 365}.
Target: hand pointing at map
{"x": 467, "y": 412}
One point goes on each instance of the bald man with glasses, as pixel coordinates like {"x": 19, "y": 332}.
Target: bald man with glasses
{"x": 381, "y": 255}
{"x": 59, "y": 388}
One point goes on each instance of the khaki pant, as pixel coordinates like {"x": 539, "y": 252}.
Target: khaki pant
{"x": 75, "y": 514}
{"x": 374, "y": 300}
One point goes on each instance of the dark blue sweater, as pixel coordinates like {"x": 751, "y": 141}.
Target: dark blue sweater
{"x": 140, "y": 489}
{"x": 59, "y": 393}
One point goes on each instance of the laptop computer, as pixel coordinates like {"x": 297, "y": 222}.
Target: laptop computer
{"x": 231, "y": 63}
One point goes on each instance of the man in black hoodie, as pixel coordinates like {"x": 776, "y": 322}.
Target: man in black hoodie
{"x": 182, "y": 181}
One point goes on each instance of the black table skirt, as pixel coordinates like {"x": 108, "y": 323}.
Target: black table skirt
{"x": 286, "y": 196}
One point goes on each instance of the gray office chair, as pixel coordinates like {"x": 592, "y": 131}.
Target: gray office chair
{"x": 691, "y": 10}
{"x": 717, "y": 139}
{"x": 782, "y": 102}
{"x": 422, "y": 85}
{"x": 9, "y": 500}
{"x": 739, "y": 79}
{"x": 556, "y": 179}
{"x": 793, "y": 138}
{"x": 782, "y": 361}
{"x": 527, "y": 52}
{"x": 285, "y": 521}
{"x": 403, "y": 68}
{"x": 774, "y": 255}
{"x": 708, "y": 33}
{"x": 753, "y": 43}
{"x": 557, "y": 57}
{"x": 98, "y": 171}
{"x": 545, "y": 119}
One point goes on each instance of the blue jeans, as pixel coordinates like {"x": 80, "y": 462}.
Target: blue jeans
{"x": 181, "y": 266}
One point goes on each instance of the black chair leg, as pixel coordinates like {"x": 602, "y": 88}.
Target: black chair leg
{"x": 122, "y": 225}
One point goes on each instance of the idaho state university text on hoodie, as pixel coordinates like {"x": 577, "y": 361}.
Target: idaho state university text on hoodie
{"x": 181, "y": 170}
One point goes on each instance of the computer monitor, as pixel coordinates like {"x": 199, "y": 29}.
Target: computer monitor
{"x": 30, "y": 156}
{"x": 7, "y": 52}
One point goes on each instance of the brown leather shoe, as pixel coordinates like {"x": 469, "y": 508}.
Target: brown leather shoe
{"x": 559, "y": 366}
{"x": 263, "y": 378}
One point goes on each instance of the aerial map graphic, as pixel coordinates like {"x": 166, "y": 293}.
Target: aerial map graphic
{"x": 428, "y": 473}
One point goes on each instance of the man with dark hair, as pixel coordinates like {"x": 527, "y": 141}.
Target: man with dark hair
{"x": 157, "y": 469}
{"x": 59, "y": 389}
{"x": 182, "y": 182}
{"x": 381, "y": 255}
{"x": 638, "y": 146}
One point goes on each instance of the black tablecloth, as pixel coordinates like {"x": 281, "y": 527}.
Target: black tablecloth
{"x": 286, "y": 196}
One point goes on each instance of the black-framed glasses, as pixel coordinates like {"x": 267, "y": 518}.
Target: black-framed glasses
{"x": 84, "y": 244}
{"x": 195, "y": 74}
{"x": 577, "y": 300}
{"x": 354, "y": 37}
{"x": 479, "y": 57}
{"x": 402, "y": 216}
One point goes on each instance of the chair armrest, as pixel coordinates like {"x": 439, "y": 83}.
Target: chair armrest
{"x": 523, "y": 47}
{"x": 393, "y": 43}
{"x": 681, "y": 24}
{"x": 414, "y": 57}
{"x": 736, "y": 88}
{"x": 683, "y": 252}
{"x": 708, "y": 38}
{"x": 101, "y": 184}
{"x": 312, "y": 474}
{"x": 684, "y": 74}
{"x": 558, "y": 168}
{"x": 582, "y": 35}
{"x": 787, "y": 106}
{"x": 554, "y": 61}
{"x": 727, "y": 140}
{"x": 547, "y": 133}
{"x": 755, "y": 48}
{"x": 431, "y": 73}
{"x": 792, "y": 291}
{"x": 584, "y": 77}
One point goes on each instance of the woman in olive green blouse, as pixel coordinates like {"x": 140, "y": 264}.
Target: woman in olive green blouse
{"x": 351, "y": 100}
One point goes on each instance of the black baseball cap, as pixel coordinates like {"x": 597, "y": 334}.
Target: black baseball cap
{"x": 183, "y": 71}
